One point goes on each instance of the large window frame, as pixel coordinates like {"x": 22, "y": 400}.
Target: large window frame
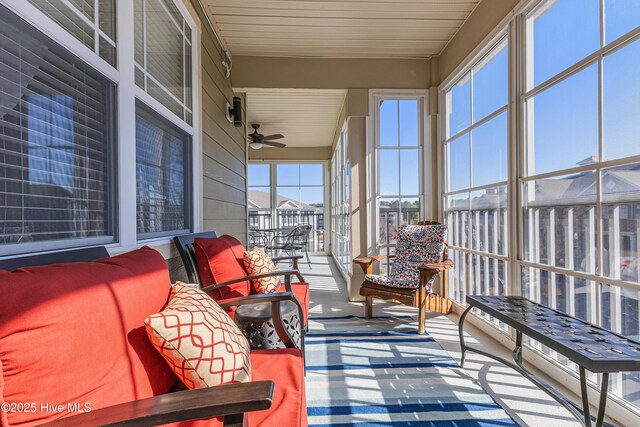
{"x": 128, "y": 94}
{"x": 273, "y": 188}
{"x": 516, "y": 29}
{"x": 376, "y": 96}
{"x": 340, "y": 204}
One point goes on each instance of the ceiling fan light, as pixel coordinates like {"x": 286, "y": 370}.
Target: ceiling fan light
{"x": 256, "y": 145}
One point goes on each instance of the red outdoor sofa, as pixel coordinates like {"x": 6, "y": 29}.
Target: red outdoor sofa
{"x": 72, "y": 338}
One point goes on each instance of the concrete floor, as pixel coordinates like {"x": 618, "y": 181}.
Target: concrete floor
{"x": 522, "y": 400}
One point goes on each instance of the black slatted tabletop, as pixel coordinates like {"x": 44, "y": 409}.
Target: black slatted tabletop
{"x": 592, "y": 347}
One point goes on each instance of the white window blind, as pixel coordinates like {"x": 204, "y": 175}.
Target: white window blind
{"x": 56, "y": 144}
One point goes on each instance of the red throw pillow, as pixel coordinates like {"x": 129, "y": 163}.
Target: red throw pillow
{"x": 217, "y": 263}
{"x": 199, "y": 341}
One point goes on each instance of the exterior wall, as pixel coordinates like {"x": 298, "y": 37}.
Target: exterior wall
{"x": 224, "y": 157}
{"x": 357, "y": 134}
{"x": 291, "y": 153}
{"x": 224, "y": 161}
{"x": 313, "y": 73}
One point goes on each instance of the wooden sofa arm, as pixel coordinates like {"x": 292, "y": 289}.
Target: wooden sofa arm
{"x": 230, "y": 401}
{"x": 275, "y": 299}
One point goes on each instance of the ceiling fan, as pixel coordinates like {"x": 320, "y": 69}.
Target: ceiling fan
{"x": 258, "y": 140}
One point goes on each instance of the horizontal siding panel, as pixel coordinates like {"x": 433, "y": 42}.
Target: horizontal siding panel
{"x": 216, "y": 171}
{"x": 235, "y": 228}
{"x": 217, "y": 190}
{"x": 215, "y": 129}
{"x": 215, "y": 209}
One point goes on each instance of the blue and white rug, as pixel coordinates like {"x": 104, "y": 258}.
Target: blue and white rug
{"x": 380, "y": 372}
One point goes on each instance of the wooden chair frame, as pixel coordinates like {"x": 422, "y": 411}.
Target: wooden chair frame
{"x": 417, "y": 297}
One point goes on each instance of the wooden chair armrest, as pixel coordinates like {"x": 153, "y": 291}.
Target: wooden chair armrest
{"x": 366, "y": 262}
{"x": 230, "y": 401}
{"x": 437, "y": 267}
{"x": 286, "y": 273}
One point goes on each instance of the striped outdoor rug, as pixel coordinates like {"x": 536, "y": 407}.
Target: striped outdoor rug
{"x": 380, "y": 372}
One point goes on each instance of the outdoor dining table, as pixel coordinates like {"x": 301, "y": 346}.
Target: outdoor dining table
{"x": 270, "y": 234}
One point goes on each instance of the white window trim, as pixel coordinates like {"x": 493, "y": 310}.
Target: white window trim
{"x": 338, "y": 154}
{"x": 514, "y": 20}
{"x": 425, "y": 163}
{"x": 127, "y": 93}
{"x": 326, "y": 182}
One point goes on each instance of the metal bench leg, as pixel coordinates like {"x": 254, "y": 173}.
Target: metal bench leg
{"x": 604, "y": 389}
{"x": 585, "y": 398}
{"x": 463, "y": 347}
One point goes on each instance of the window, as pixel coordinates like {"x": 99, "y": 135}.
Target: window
{"x": 259, "y": 197}
{"x": 93, "y": 22}
{"x": 56, "y": 145}
{"x": 163, "y": 55}
{"x": 162, "y": 176}
{"x": 76, "y": 132}
{"x": 399, "y": 142}
{"x": 476, "y": 196}
{"x": 298, "y": 198}
{"x": 581, "y": 176}
{"x": 340, "y": 208}
{"x": 576, "y": 169}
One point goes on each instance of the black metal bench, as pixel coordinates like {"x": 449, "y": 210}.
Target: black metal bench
{"x": 590, "y": 347}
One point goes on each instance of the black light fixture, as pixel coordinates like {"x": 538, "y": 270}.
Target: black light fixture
{"x": 234, "y": 114}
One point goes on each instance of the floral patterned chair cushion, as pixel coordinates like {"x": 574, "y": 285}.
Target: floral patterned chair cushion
{"x": 417, "y": 245}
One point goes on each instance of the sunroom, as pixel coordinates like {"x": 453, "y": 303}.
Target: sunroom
{"x": 243, "y": 212}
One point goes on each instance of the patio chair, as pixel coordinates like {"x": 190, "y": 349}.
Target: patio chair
{"x": 421, "y": 254}
{"x": 258, "y": 238}
{"x": 296, "y": 240}
{"x": 233, "y": 284}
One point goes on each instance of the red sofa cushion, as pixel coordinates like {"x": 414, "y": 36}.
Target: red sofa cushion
{"x": 285, "y": 367}
{"x": 217, "y": 263}
{"x": 75, "y": 333}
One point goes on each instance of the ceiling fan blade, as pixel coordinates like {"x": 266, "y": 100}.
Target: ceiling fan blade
{"x": 272, "y": 137}
{"x": 274, "y": 144}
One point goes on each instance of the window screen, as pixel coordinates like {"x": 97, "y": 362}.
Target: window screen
{"x": 163, "y": 55}
{"x": 56, "y": 144}
{"x": 78, "y": 17}
{"x": 163, "y": 185}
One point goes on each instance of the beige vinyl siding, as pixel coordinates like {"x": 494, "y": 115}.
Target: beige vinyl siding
{"x": 224, "y": 165}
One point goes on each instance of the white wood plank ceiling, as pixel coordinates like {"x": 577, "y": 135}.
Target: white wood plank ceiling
{"x": 339, "y": 28}
{"x": 307, "y": 118}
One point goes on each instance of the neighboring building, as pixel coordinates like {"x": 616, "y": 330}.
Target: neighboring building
{"x": 288, "y": 213}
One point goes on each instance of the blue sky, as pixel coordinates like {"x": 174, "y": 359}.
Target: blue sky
{"x": 564, "y": 128}
{"x": 300, "y": 182}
